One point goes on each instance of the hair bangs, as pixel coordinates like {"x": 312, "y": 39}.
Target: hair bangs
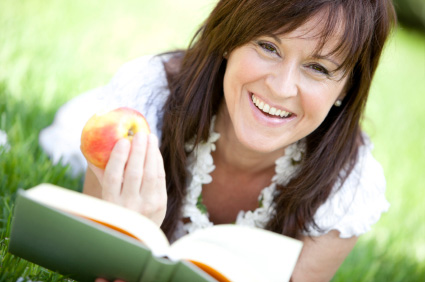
{"x": 354, "y": 38}
{"x": 277, "y": 19}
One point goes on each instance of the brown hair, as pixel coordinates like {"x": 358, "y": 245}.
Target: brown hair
{"x": 197, "y": 91}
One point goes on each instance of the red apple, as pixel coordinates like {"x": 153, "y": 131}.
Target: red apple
{"x": 102, "y": 131}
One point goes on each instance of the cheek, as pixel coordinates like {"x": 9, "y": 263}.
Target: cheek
{"x": 229, "y": 89}
{"x": 316, "y": 112}
{"x": 319, "y": 97}
{"x": 317, "y": 104}
{"x": 235, "y": 79}
{"x": 243, "y": 67}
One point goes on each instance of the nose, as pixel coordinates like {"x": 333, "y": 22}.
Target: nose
{"x": 283, "y": 79}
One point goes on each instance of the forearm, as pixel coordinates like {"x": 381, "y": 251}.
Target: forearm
{"x": 321, "y": 257}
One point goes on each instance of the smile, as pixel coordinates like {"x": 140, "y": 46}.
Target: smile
{"x": 266, "y": 108}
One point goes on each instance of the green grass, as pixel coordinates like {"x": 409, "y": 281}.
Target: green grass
{"x": 52, "y": 50}
{"x": 395, "y": 249}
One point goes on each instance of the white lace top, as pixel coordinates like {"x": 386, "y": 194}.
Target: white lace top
{"x": 142, "y": 84}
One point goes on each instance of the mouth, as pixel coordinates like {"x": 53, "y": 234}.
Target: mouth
{"x": 269, "y": 110}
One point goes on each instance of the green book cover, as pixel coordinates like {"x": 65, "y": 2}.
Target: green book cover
{"x": 83, "y": 250}
{"x": 83, "y": 238}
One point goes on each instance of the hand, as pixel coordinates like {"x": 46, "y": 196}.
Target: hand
{"x": 134, "y": 177}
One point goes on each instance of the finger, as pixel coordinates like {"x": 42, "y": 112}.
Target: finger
{"x": 161, "y": 175}
{"x": 150, "y": 170}
{"x": 160, "y": 163}
{"x": 98, "y": 172}
{"x": 161, "y": 190}
{"x": 114, "y": 171}
{"x": 134, "y": 170}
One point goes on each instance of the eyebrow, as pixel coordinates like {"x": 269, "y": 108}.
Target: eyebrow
{"x": 321, "y": 57}
{"x": 315, "y": 56}
{"x": 275, "y": 37}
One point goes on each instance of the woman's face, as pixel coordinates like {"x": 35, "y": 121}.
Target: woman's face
{"x": 278, "y": 90}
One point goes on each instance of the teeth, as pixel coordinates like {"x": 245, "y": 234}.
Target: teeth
{"x": 261, "y": 105}
{"x": 267, "y": 109}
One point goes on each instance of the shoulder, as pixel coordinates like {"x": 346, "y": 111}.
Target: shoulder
{"x": 140, "y": 84}
{"x": 145, "y": 70}
{"x": 355, "y": 206}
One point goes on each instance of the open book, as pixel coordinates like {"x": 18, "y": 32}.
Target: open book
{"x": 84, "y": 237}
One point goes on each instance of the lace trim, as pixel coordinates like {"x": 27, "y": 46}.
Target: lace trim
{"x": 200, "y": 165}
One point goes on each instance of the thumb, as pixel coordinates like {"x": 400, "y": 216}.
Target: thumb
{"x": 97, "y": 171}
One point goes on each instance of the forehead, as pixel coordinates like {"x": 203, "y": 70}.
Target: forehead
{"x": 327, "y": 34}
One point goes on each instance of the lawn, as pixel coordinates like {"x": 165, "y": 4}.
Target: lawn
{"x": 50, "y": 51}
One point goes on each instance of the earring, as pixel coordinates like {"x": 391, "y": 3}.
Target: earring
{"x": 225, "y": 54}
{"x": 338, "y": 103}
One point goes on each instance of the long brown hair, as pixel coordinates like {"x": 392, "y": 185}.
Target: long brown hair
{"x": 197, "y": 91}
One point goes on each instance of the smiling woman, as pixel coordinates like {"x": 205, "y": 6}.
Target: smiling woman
{"x": 258, "y": 123}
{"x": 278, "y": 90}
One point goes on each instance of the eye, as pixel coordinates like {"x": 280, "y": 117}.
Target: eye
{"x": 319, "y": 68}
{"x": 268, "y": 47}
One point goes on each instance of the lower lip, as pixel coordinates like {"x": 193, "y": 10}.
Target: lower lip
{"x": 267, "y": 120}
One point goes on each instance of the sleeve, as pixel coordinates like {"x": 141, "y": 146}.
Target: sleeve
{"x": 140, "y": 84}
{"x": 358, "y": 204}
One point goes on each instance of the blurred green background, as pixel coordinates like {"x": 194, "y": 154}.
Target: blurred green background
{"x": 52, "y": 50}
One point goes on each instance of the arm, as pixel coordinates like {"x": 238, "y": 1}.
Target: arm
{"x": 321, "y": 257}
{"x": 134, "y": 177}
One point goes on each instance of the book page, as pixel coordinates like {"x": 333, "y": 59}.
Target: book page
{"x": 257, "y": 254}
{"x": 219, "y": 259}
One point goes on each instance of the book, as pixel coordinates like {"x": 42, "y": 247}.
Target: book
{"x": 83, "y": 237}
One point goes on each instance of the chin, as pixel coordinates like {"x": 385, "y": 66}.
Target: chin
{"x": 261, "y": 144}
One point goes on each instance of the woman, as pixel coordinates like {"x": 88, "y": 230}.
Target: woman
{"x": 259, "y": 124}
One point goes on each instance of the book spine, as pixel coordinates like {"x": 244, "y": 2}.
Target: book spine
{"x": 165, "y": 270}
{"x": 158, "y": 269}
{"x": 186, "y": 271}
